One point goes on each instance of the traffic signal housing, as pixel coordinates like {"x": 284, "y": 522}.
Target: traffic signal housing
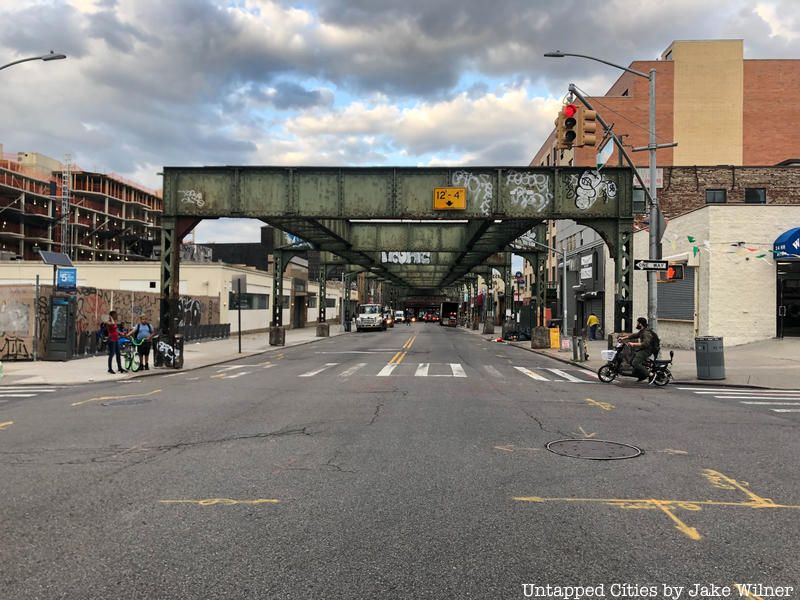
{"x": 567, "y": 127}
{"x": 586, "y": 127}
{"x": 673, "y": 273}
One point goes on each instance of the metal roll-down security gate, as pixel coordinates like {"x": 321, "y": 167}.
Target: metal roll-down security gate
{"x": 365, "y": 217}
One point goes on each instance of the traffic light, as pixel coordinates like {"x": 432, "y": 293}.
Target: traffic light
{"x": 566, "y": 127}
{"x": 673, "y": 273}
{"x": 587, "y": 127}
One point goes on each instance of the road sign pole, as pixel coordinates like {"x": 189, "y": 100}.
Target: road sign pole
{"x": 652, "y": 290}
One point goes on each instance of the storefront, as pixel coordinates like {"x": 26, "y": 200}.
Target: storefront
{"x": 787, "y": 261}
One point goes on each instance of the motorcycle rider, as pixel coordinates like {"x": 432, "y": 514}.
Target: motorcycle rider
{"x": 643, "y": 347}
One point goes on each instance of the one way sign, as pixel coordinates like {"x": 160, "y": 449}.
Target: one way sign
{"x": 650, "y": 265}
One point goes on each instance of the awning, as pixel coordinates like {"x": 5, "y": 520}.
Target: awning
{"x": 788, "y": 244}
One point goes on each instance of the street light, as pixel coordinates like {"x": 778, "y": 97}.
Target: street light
{"x": 45, "y": 57}
{"x": 652, "y": 146}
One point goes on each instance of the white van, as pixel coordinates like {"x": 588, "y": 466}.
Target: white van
{"x": 399, "y": 316}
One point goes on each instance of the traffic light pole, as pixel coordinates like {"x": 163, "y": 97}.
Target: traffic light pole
{"x": 652, "y": 289}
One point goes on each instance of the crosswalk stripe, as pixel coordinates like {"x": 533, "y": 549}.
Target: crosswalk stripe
{"x": 567, "y": 376}
{"x": 457, "y": 369}
{"x": 783, "y": 410}
{"x": 531, "y": 374}
{"x": 320, "y": 370}
{"x": 422, "y": 370}
{"x": 352, "y": 370}
{"x": 705, "y": 390}
{"x": 757, "y": 398}
{"x": 771, "y": 403}
{"x": 492, "y": 371}
{"x": 387, "y": 370}
{"x": 4, "y": 389}
{"x": 17, "y": 395}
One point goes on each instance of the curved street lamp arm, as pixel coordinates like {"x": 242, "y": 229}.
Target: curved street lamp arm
{"x": 45, "y": 57}
{"x": 600, "y": 60}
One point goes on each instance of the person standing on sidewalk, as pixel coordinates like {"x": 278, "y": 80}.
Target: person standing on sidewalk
{"x": 113, "y": 342}
{"x": 592, "y": 323}
{"x": 143, "y": 332}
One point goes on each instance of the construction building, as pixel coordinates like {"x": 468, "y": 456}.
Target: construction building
{"x": 50, "y": 205}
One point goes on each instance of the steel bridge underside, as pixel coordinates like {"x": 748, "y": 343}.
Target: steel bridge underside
{"x": 355, "y": 216}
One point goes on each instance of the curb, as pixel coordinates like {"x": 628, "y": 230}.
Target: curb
{"x": 168, "y": 371}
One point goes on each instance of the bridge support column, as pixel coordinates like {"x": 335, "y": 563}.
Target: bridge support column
{"x": 277, "y": 333}
{"x": 488, "y": 322}
{"x": 323, "y": 329}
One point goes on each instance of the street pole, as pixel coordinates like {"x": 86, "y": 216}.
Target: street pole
{"x": 564, "y": 289}
{"x": 652, "y": 290}
{"x": 239, "y": 309}
{"x": 36, "y": 323}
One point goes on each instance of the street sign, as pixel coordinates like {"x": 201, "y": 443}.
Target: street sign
{"x": 650, "y": 265}
{"x": 67, "y": 278}
{"x": 450, "y": 198}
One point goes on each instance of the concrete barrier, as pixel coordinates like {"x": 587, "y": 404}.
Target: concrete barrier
{"x": 323, "y": 330}
{"x": 277, "y": 336}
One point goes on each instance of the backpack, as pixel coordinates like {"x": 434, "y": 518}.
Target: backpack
{"x": 655, "y": 343}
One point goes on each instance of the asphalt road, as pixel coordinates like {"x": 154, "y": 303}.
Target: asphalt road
{"x": 409, "y": 463}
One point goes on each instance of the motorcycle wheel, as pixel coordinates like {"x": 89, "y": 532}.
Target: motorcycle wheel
{"x": 606, "y": 374}
{"x": 661, "y": 378}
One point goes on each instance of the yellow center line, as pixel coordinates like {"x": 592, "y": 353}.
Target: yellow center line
{"x": 220, "y": 376}
{"x": 6, "y": 424}
{"x": 101, "y": 398}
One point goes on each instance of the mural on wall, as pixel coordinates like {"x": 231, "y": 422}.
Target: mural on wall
{"x": 19, "y": 310}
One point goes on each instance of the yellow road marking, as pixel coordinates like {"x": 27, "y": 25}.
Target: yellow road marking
{"x": 689, "y": 532}
{"x": 223, "y": 501}
{"x": 220, "y": 376}
{"x": 722, "y": 481}
{"x": 101, "y": 398}
{"x": 668, "y": 506}
{"x": 584, "y": 433}
{"x": 603, "y": 405}
{"x": 6, "y": 424}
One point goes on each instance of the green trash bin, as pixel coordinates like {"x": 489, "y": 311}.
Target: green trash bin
{"x": 709, "y": 357}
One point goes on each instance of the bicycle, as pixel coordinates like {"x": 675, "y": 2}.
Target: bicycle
{"x": 129, "y": 349}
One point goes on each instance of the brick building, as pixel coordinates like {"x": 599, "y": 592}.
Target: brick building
{"x": 734, "y": 130}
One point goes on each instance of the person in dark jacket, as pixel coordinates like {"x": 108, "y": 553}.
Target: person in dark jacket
{"x": 643, "y": 347}
{"x": 113, "y": 342}
{"x": 143, "y": 332}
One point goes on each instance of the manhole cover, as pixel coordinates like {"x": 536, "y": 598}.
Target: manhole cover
{"x": 593, "y": 449}
{"x": 127, "y": 402}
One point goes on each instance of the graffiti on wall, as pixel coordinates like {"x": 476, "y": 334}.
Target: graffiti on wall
{"x": 406, "y": 258}
{"x": 19, "y": 311}
{"x": 588, "y": 187}
{"x": 479, "y": 187}
{"x": 530, "y": 190}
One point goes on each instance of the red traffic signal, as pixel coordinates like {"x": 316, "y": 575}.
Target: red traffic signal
{"x": 674, "y": 273}
{"x": 570, "y": 110}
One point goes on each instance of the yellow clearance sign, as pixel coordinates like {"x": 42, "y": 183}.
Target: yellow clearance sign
{"x": 450, "y": 198}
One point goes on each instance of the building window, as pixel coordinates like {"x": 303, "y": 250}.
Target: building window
{"x": 715, "y": 196}
{"x": 755, "y": 195}
{"x": 639, "y": 202}
{"x": 312, "y": 302}
{"x": 595, "y": 269}
{"x": 625, "y": 93}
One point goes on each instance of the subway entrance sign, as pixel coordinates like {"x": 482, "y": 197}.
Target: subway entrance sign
{"x": 450, "y": 198}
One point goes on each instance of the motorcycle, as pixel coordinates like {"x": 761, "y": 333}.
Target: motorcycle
{"x": 658, "y": 370}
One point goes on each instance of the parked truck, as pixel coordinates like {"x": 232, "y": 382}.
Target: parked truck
{"x": 448, "y": 313}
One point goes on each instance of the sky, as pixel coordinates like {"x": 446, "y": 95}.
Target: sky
{"x": 153, "y": 83}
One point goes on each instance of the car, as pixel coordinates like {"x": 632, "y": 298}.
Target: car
{"x": 399, "y": 316}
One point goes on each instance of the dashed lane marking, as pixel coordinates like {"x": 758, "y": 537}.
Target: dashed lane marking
{"x": 6, "y": 425}
{"x": 492, "y": 371}
{"x": 567, "y": 376}
{"x": 422, "y": 370}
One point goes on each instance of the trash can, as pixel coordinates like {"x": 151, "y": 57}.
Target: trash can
{"x": 177, "y": 361}
{"x": 709, "y": 357}
{"x": 158, "y": 358}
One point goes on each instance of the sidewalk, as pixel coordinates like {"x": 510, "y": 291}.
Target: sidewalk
{"x": 196, "y": 355}
{"x": 769, "y": 363}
